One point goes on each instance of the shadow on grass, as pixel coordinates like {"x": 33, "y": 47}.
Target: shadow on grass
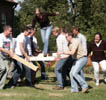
{"x": 88, "y": 79}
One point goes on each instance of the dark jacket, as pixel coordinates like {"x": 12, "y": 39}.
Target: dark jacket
{"x": 44, "y": 21}
{"x": 98, "y": 51}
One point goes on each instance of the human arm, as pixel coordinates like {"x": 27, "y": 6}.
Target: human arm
{"x": 72, "y": 47}
{"x": 24, "y": 52}
{"x": 53, "y": 14}
{"x": 8, "y": 52}
{"x": 89, "y": 49}
{"x": 34, "y": 23}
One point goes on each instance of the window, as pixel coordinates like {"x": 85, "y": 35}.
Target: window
{"x": 3, "y": 19}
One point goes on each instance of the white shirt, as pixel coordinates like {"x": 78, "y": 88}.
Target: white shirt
{"x": 62, "y": 43}
{"x": 35, "y": 42}
{"x": 83, "y": 41}
{"x": 5, "y": 42}
{"x": 28, "y": 44}
{"x": 20, "y": 39}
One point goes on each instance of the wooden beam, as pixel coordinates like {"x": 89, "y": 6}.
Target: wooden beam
{"x": 26, "y": 63}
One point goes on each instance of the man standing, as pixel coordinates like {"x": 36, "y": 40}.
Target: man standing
{"x": 78, "y": 53}
{"x": 33, "y": 48}
{"x": 62, "y": 46}
{"x": 21, "y": 51}
{"x": 5, "y": 53}
{"x": 82, "y": 38}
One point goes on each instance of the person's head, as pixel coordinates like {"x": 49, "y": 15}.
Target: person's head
{"x": 56, "y": 31}
{"x": 7, "y": 30}
{"x": 97, "y": 37}
{"x": 37, "y": 11}
{"x": 63, "y": 30}
{"x": 76, "y": 30}
{"x": 27, "y": 31}
{"x": 69, "y": 37}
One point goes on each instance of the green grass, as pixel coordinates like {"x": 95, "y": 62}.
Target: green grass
{"x": 44, "y": 91}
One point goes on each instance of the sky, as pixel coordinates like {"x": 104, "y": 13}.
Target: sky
{"x": 18, "y": 6}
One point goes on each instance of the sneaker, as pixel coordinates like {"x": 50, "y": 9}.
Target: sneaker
{"x": 9, "y": 87}
{"x": 58, "y": 88}
{"x": 84, "y": 90}
{"x": 97, "y": 83}
{"x": 45, "y": 54}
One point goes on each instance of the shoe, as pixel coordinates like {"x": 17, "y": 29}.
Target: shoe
{"x": 84, "y": 90}
{"x": 44, "y": 77}
{"x": 29, "y": 84}
{"x": 9, "y": 87}
{"x": 97, "y": 82}
{"x": 58, "y": 88}
{"x": 45, "y": 54}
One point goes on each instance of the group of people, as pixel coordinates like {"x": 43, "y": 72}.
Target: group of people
{"x": 25, "y": 46}
{"x": 72, "y": 53}
{"x": 74, "y": 44}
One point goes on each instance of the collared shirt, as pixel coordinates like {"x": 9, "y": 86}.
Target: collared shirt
{"x": 77, "y": 46}
{"x": 83, "y": 41}
{"x": 62, "y": 43}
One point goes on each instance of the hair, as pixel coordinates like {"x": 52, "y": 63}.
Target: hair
{"x": 27, "y": 28}
{"x": 56, "y": 29}
{"x": 70, "y": 34}
{"x": 63, "y": 30}
{"x": 98, "y": 33}
{"x": 38, "y": 9}
{"x": 6, "y": 27}
{"x": 76, "y": 28}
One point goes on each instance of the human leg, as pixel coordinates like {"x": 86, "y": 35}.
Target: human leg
{"x": 80, "y": 63}
{"x": 103, "y": 66}
{"x": 58, "y": 71}
{"x": 47, "y": 36}
{"x": 3, "y": 72}
{"x": 74, "y": 86}
{"x": 96, "y": 71}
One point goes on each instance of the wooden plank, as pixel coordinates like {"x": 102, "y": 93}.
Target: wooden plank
{"x": 26, "y": 63}
{"x": 40, "y": 57}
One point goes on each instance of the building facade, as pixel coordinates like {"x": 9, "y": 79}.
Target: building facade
{"x": 7, "y": 13}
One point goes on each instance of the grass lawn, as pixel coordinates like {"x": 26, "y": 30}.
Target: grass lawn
{"x": 44, "y": 91}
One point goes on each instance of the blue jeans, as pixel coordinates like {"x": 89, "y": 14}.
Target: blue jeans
{"x": 18, "y": 71}
{"x": 28, "y": 74}
{"x": 45, "y": 34}
{"x": 76, "y": 74}
{"x": 58, "y": 71}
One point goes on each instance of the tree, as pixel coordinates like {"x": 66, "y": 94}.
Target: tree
{"x": 89, "y": 15}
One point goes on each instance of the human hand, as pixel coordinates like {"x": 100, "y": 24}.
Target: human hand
{"x": 11, "y": 54}
{"x": 59, "y": 53}
{"x": 57, "y": 59}
{"x": 57, "y": 13}
{"x": 27, "y": 58}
